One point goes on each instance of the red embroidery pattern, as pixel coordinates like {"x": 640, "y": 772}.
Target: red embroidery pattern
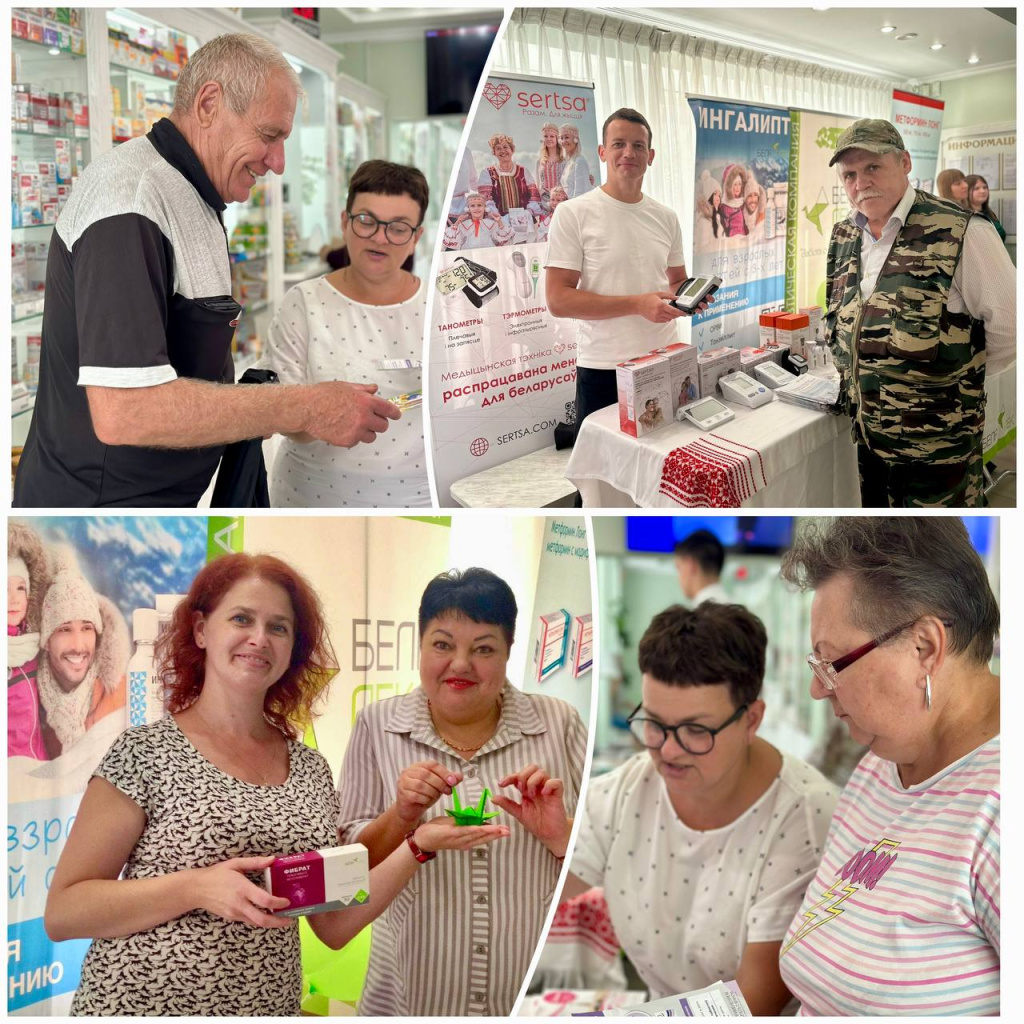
{"x": 712, "y": 472}
{"x": 586, "y": 919}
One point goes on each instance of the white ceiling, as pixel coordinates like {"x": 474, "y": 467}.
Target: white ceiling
{"x": 361, "y": 24}
{"x": 851, "y": 38}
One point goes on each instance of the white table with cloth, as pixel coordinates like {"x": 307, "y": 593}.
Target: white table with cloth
{"x": 777, "y": 456}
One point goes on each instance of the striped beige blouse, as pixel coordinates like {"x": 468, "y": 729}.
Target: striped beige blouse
{"x": 458, "y": 940}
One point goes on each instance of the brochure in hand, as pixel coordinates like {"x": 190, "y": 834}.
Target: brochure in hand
{"x": 723, "y": 999}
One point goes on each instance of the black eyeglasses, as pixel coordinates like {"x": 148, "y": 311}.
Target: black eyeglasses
{"x": 826, "y": 672}
{"x": 398, "y": 232}
{"x": 693, "y": 738}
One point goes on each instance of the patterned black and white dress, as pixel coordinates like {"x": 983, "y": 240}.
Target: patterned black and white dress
{"x": 197, "y": 815}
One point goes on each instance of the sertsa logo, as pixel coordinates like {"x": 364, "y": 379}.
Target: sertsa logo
{"x": 497, "y": 95}
{"x": 479, "y": 446}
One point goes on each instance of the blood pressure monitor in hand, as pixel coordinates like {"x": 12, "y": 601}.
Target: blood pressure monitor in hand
{"x": 706, "y": 413}
{"x": 693, "y": 291}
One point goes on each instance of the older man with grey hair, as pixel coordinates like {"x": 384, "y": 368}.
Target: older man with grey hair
{"x": 921, "y": 297}
{"x": 136, "y": 399}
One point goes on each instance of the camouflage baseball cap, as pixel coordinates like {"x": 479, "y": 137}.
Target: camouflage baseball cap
{"x": 872, "y": 134}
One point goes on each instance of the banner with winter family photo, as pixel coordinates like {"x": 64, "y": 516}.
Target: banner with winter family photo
{"x": 502, "y": 370}
{"x": 742, "y": 181}
{"x": 74, "y": 587}
{"x": 817, "y": 200}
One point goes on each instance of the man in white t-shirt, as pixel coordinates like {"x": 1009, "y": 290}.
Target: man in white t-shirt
{"x": 615, "y": 259}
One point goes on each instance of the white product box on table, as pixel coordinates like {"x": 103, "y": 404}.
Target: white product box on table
{"x": 815, "y": 325}
{"x": 644, "y": 388}
{"x": 766, "y": 326}
{"x": 682, "y": 364}
{"x": 793, "y": 331}
{"x": 715, "y": 364}
{"x": 751, "y": 357}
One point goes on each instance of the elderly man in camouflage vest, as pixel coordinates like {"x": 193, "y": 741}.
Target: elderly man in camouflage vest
{"x": 920, "y": 296}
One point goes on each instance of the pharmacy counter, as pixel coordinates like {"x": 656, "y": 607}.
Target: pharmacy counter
{"x": 778, "y": 456}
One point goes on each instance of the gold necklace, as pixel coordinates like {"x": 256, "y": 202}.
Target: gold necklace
{"x": 455, "y": 746}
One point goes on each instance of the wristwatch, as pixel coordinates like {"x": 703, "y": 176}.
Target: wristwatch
{"x": 421, "y": 855}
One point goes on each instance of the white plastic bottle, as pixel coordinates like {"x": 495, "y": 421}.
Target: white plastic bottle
{"x": 769, "y": 212}
{"x": 145, "y": 701}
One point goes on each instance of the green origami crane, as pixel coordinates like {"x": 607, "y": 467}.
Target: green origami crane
{"x": 470, "y": 815}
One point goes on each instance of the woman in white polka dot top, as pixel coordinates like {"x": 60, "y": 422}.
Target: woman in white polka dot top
{"x": 359, "y": 324}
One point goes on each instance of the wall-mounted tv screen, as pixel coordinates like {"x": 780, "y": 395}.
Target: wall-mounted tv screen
{"x": 455, "y": 62}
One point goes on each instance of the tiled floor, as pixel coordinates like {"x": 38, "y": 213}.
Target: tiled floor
{"x": 1005, "y": 493}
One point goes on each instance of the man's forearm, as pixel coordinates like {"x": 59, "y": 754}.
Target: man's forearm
{"x": 576, "y": 304}
{"x": 188, "y": 413}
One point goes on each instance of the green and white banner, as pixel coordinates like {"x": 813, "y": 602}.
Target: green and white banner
{"x": 816, "y": 201}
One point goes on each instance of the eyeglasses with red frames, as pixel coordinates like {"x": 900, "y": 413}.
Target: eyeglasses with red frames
{"x": 826, "y": 672}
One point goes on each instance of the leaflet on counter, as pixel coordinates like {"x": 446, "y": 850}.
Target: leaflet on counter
{"x": 811, "y": 392}
{"x": 723, "y": 999}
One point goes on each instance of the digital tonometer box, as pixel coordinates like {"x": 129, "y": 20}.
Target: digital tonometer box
{"x": 330, "y": 879}
{"x": 644, "y": 390}
{"x": 682, "y": 371}
{"x": 715, "y": 364}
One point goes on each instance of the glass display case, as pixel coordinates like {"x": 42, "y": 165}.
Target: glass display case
{"x": 145, "y": 58}
{"x": 431, "y": 145}
{"x": 248, "y": 226}
{"x": 306, "y": 184}
{"x": 361, "y": 134}
{"x": 50, "y": 146}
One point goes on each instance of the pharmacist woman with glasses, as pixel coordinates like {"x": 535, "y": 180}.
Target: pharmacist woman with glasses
{"x": 704, "y": 843}
{"x": 362, "y": 324}
{"x": 902, "y": 917}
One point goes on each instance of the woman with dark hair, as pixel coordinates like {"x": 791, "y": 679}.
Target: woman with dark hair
{"x": 705, "y": 842}
{"x": 461, "y": 940}
{"x": 362, "y": 324}
{"x": 191, "y": 809}
{"x": 977, "y": 200}
{"x": 903, "y": 914}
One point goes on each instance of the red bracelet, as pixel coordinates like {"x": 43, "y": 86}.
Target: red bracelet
{"x": 421, "y": 855}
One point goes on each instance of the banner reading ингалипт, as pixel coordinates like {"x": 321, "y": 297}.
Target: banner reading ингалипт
{"x": 742, "y": 181}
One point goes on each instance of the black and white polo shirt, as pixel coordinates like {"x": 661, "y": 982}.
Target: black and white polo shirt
{"x": 138, "y": 293}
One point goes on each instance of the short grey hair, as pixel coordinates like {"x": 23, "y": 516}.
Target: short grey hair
{"x": 240, "y": 64}
{"x": 902, "y": 567}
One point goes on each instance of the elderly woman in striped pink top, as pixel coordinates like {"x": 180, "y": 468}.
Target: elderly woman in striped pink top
{"x": 903, "y": 915}
{"x": 460, "y": 941}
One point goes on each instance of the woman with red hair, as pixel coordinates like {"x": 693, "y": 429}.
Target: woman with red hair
{"x": 181, "y": 817}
